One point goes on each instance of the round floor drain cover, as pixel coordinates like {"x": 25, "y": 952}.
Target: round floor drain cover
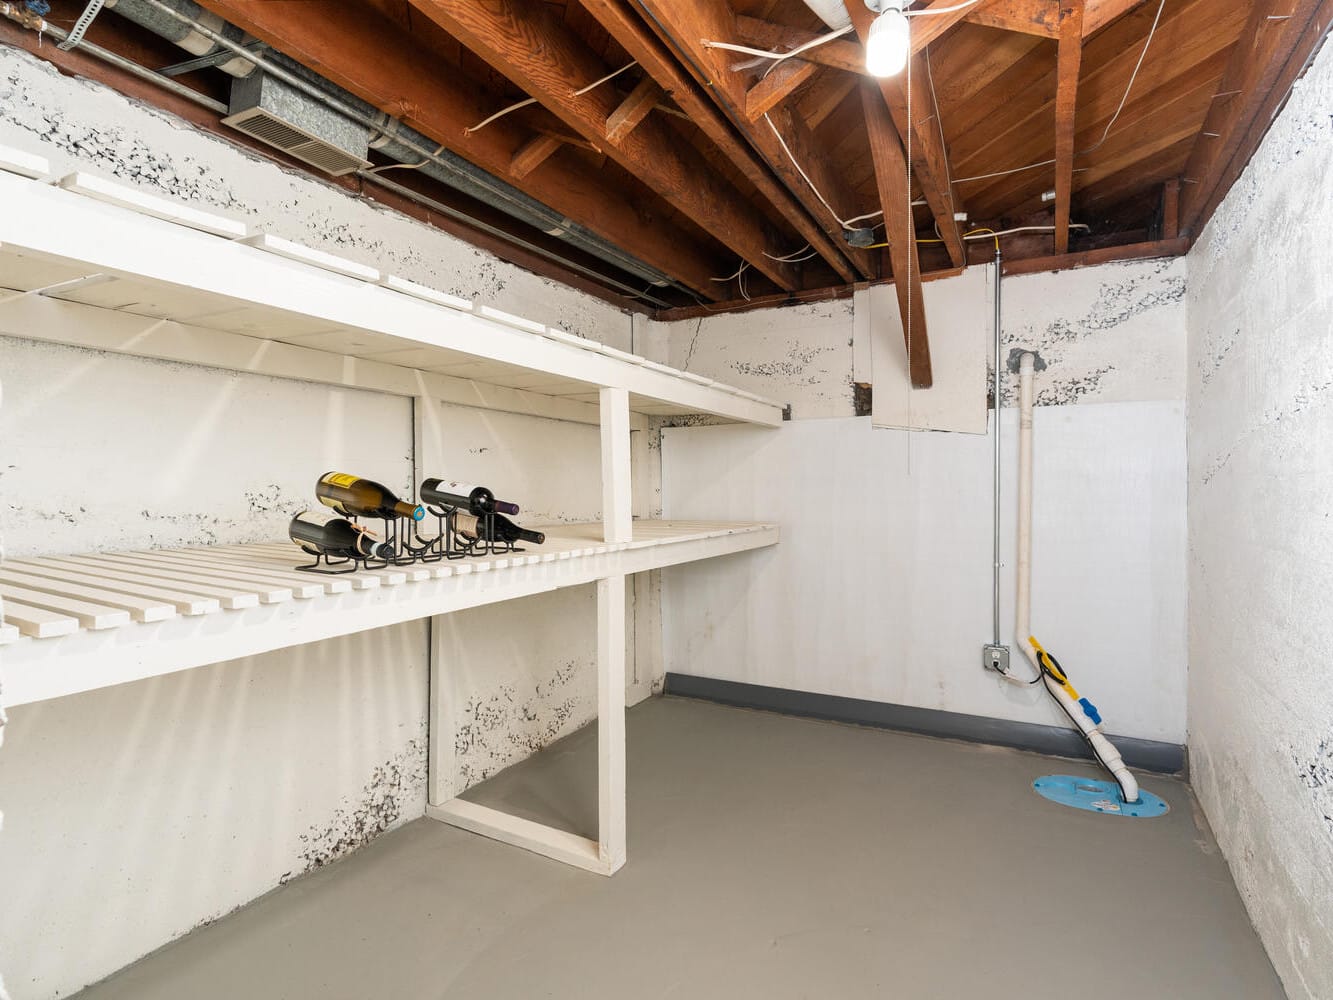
{"x": 1096, "y": 795}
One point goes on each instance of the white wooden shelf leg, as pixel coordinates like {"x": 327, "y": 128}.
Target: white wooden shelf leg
{"x": 611, "y": 722}
{"x": 443, "y": 726}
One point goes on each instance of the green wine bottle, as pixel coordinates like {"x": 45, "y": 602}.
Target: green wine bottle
{"x": 335, "y": 537}
{"x": 353, "y": 496}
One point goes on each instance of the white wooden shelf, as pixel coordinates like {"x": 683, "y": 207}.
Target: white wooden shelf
{"x": 76, "y": 623}
{"x": 99, "y": 264}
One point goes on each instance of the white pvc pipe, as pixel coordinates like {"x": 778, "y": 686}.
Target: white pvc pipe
{"x": 1101, "y": 746}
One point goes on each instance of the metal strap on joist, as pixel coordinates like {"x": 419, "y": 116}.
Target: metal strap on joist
{"x": 76, "y": 33}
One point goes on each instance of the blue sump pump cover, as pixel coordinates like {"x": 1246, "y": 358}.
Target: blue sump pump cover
{"x": 1096, "y": 795}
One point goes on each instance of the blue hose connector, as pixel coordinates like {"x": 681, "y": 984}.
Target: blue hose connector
{"x": 1090, "y": 710}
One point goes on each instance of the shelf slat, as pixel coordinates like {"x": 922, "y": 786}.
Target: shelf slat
{"x": 89, "y": 615}
{"x": 142, "y": 609}
{"x": 102, "y": 569}
{"x": 38, "y": 622}
{"x": 184, "y": 602}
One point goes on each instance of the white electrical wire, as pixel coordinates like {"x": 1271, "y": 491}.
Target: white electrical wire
{"x": 499, "y": 114}
{"x": 609, "y": 76}
{"x": 988, "y": 235}
{"x": 939, "y": 10}
{"x": 1151, "y": 31}
{"x": 777, "y": 57}
{"x": 1106, "y": 132}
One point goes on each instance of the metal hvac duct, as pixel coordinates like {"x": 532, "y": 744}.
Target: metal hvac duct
{"x": 322, "y": 110}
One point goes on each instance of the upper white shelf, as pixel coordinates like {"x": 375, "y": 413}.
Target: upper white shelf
{"x": 199, "y": 279}
{"x": 80, "y": 622}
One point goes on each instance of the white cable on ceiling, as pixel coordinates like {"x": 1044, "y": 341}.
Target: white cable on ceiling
{"x": 1106, "y": 133}
{"x": 609, "y": 76}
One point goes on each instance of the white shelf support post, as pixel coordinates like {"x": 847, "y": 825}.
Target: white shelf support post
{"x": 611, "y": 722}
{"x": 617, "y": 516}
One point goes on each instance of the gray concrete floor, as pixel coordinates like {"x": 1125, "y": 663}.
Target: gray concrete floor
{"x": 770, "y": 857}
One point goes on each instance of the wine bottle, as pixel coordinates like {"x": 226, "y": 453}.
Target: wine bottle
{"x": 475, "y": 499}
{"x": 353, "y": 496}
{"x": 336, "y": 537}
{"x": 497, "y": 528}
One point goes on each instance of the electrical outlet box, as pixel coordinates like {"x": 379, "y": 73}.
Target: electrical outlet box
{"x": 995, "y": 658}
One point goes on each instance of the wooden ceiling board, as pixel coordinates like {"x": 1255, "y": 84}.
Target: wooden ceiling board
{"x": 984, "y": 101}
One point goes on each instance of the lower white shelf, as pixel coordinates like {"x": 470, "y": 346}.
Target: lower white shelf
{"x": 76, "y": 623}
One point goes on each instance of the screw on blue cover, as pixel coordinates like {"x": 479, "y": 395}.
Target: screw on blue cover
{"x": 1091, "y": 710}
{"x": 39, "y": 7}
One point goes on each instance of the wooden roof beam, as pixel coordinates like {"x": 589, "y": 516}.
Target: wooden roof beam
{"x": 533, "y": 47}
{"x": 633, "y": 109}
{"x": 370, "y": 56}
{"x": 1273, "y": 46}
{"x": 629, "y": 31}
{"x": 533, "y": 154}
{"x": 776, "y": 87}
{"x": 1097, "y": 14}
{"x": 780, "y": 137}
{"x": 1030, "y": 17}
{"x": 930, "y": 161}
{"x": 893, "y": 182}
{"x": 1068, "y": 60}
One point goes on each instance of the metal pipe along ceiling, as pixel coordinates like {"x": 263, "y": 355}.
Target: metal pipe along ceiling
{"x": 202, "y": 33}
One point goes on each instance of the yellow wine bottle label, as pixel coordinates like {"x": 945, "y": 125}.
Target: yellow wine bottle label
{"x": 339, "y": 479}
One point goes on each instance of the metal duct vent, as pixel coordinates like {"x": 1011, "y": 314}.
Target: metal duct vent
{"x": 281, "y": 116}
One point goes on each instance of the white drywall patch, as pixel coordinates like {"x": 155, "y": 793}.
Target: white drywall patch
{"x": 960, "y": 315}
{"x": 1261, "y": 533}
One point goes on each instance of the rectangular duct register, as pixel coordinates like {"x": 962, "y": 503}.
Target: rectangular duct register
{"x": 265, "y": 108}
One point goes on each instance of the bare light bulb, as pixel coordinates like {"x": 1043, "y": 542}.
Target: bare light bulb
{"x": 888, "y": 43}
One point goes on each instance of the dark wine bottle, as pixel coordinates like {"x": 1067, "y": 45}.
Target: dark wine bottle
{"x": 336, "y": 537}
{"x": 353, "y": 496}
{"x": 474, "y": 499}
{"x": 494, "y": 529}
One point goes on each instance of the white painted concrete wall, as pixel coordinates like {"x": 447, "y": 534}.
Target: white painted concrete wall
{"x": 138, "y": 812}
{"x": 1261, "y": 538}
{"x": 881, "y": 586}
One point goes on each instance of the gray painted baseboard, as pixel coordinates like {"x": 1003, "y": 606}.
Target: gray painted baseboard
{"x": 1148, "y": 755}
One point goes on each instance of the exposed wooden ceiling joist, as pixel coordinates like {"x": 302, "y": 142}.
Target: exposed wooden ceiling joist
{"x": 916, "y": 119}
{"x": 370, "y": 57}
{"x": 627, "y": 29}
{"x": 1068, "y": 60}
{"x": 1029, "y": 17}
{"x": 1273, "y": 47}
{"x": 781, "y": 137}
{"x": 532, "y": 47}
{"x": 891, "y": 178}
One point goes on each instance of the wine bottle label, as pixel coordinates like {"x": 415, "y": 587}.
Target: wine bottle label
{"x": 339, "y": 479}
{"x": 316, "y": 517}
{"x": 466, "y": 525}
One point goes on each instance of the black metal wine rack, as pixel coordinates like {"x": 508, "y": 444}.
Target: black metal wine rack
{"x": 408, "y": 547}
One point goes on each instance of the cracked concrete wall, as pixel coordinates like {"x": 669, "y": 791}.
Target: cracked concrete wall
{"x": 1261, "y": 533}
{"x": 179, "y": 798}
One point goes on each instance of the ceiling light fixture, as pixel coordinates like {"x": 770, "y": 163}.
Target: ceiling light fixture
{"x": 888, "y": 43}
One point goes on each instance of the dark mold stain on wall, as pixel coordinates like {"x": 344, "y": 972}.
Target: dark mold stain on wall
{"x": 1316, "y": 773}
{"x": 380, "y": 805}
{"x": 501, "y": 727}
